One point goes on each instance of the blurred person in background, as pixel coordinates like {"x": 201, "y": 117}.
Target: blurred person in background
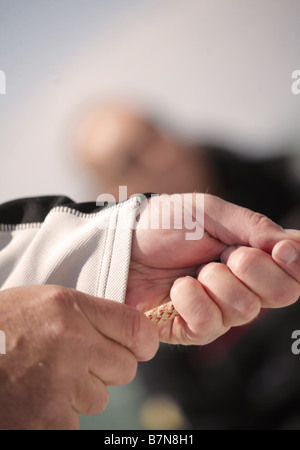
{"x": 248, "y": 379}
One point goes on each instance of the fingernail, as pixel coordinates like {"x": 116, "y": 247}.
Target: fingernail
{"x": 287, "y": 253}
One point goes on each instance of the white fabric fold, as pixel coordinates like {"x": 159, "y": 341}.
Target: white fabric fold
{"x": 87, "y": 252}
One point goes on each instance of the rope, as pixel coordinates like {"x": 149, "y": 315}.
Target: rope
{"x": 162, "y": 313}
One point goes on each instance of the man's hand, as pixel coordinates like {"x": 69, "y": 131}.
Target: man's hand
{"x": 240, "y": 265}
{"x": 62, "y": 349}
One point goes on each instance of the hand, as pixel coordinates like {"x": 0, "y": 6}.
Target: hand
{"x": 62, "y": 349}
{"x": 216, "y": 282}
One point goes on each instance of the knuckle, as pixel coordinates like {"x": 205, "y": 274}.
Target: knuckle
{"x": 90, "y": 405}
{"x": 55, "y": 330}
{"x": 98, "y": 403}
{"x": 206, "y": 320}
{"x": 141, "y": 337}
{"x": 248, "y": 309}
{"x": 241, "y": 260}
{"x": 295, "y": 294}
{"x": 134, "y": 331}
{"x": 130, "y": 372}
{"x": 259, "y": 220}
{"x": 290, "y": 294}
{"x": 209, "y": 272}
{"x": 61, "y": 322}
{"x": 56, "y": 300}
{"x": 57, "y": 294}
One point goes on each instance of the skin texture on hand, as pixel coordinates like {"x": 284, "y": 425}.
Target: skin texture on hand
{"x": 63, "y": 349}
{"x": 216, "y": 282}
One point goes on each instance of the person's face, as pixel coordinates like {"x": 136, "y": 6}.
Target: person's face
{"x": 123, "y": 149}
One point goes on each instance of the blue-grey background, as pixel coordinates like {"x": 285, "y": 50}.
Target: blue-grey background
{"x": 220, "y": 68}
{"x": 213, "y": 66}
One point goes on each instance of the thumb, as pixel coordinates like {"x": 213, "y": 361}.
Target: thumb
{"x": 286, "y": 253}
{"x": 236, "y": 225}
{"x": 122, "y": 324}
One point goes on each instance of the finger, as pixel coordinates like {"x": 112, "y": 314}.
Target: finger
{"x": 111, "y": 362}
{"x": 235, "y": 225}
{"x": 90, "y": 397}
{"x": 293, "y": 234}
{"x": 287, "y": 255}
{"x": 260, "y": 273}
{"x": 200, "y": 320}
{"x": 121, "y": 323}
{"x": 238, "y": 304}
